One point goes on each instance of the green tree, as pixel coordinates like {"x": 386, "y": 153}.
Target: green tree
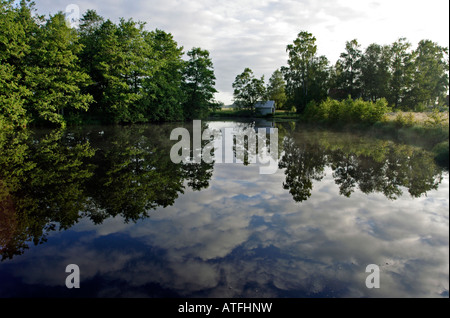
{"x": 54, "y": 73}
{"x": 430, "y": 83}
{"x": 138, "y": 66}
{"x": 375, "y": 75}
{"x": 198, "y": 84}
{"x": 163, "y": 96}
{"x": 402, "y": 71}
{"x": 119, "y": 68}
{"x": 350, "y": 61}
{"x": 303, "y": 65}
{"x": 12, "y": 112}
{"x": 319, "y": 79}
{"x": 248, "y": 89}
{"x": 90, "y": 38}
{"x": 276, "y": 89}
{"x": 17, "y": 29}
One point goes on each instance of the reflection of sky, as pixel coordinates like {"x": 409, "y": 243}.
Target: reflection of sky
{"x": 241, "y": 238}
{"x": 245, "y": 236}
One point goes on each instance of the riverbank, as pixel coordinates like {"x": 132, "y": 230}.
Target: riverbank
{"x": 429, "y": 130}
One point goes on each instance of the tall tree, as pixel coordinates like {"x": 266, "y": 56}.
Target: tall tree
{"x": 54, "y": 74}
{"x": 90, "y": 36}
{"x": 276, "y": 89}
{"x": 137, "y": 67}
{"x": 430, "y": 83}
{"x": 402, "y": 70}
{"x": 375, "y": 75}
{"x": 302, "y": 57}
{"x": 120, "y": 68}
{"x": 350, "y": 60}
{"x": 120, "y": 60}
{"x": 163, "y": 97}
{"x": 319, "y": 79}
{"x": 248, "y": 89}
{"x": 14, "y": 48}
{"x": 198, "y": 84}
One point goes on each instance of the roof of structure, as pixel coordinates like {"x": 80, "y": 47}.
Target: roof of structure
{"x": 266, "y": 104}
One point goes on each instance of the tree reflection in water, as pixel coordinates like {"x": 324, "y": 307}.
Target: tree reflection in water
{"x": 370, "y": 165}
{"x": 50, "y": 180}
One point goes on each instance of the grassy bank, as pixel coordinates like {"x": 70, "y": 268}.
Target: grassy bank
{"x": 429, "y": 130}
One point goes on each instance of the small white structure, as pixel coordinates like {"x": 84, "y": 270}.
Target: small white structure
{"x": 265, "y": 108}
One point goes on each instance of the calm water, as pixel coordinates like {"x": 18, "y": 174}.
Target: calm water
{"x": 110, "y": 200}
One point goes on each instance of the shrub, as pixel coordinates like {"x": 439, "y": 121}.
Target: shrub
{"x": 407, "y": 120}
{"x": 347, "y": 111}
{"x": 435, "y": 119}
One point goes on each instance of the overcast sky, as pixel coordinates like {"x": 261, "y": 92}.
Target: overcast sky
{"x": 254, "y": 33}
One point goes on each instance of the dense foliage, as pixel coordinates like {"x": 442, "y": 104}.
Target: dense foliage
{"x": 407, "y": 79}
{"x": 101, "y": 71}
{"x": 332, "y": 111}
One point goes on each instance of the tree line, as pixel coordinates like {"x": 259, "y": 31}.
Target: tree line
{"x": 108, "y": 72}
{"x": 408, "y": 79}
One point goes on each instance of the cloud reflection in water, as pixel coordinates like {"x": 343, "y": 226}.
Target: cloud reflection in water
{"x": 245, "y": 236}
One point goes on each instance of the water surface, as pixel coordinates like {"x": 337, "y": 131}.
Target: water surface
{"x": 110, "y": 200}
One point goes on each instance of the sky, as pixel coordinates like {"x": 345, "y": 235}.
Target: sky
{"x": 255, "y": 33}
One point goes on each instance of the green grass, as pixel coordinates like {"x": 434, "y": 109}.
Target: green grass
{"x": 431, "y": 134}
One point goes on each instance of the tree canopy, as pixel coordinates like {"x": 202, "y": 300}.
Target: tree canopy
{"x": 407, "y": 78}
{"x": 105, "y": 72}
{"x": 248, "y": 89}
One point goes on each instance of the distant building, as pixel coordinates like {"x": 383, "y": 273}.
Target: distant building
{"x": 265, "y": 108}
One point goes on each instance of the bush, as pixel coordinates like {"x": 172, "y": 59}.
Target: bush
{"x": 435, "y": 119}
{"x": 347, "y": 111}
{"x": 407, "y": 120}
